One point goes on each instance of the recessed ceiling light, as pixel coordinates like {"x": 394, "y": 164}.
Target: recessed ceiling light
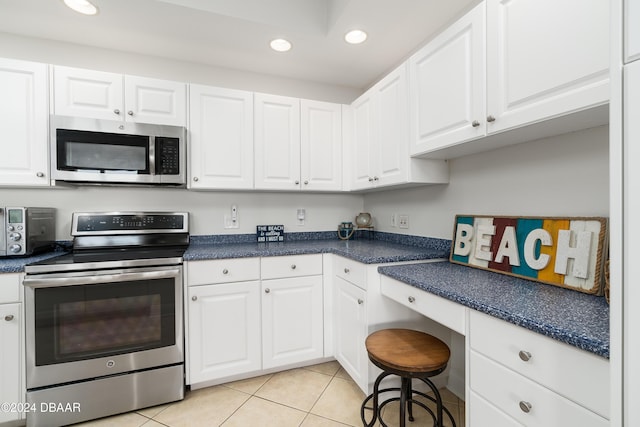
{"x": 280, "y": 45}
{"x": 355, "y": 36}
{"x": 82, "y": 6}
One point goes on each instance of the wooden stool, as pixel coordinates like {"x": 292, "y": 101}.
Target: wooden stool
{"x": 408, "y": 354}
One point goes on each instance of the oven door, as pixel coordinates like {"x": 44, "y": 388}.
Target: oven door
{"x": 90, "y": 324}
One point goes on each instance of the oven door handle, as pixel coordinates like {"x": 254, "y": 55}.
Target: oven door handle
{"x": 53, "y": 282}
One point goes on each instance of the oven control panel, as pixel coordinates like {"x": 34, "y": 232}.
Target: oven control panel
{"x": 129, "y": 223}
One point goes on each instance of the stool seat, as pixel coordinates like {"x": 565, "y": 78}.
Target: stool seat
{"x": 410, "y": 355}
{"x": 411, "y": 352}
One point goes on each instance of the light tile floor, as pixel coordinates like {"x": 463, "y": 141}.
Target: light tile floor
{"x": 316, "y": 396}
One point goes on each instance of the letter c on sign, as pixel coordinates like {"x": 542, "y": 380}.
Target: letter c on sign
{"x": 530, "y": 248}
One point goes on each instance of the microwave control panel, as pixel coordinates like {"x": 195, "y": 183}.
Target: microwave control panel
{"x": 167, "y": 156}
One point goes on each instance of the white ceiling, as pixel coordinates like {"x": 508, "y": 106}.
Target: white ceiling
{"x": 236, "y": 33}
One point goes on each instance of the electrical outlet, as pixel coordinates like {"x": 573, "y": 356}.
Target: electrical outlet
{"x": 394, "y": 220}
{"x": 301, "y": 214}
{"x": 231, "y": 219}
{"x": 403, "y": 221}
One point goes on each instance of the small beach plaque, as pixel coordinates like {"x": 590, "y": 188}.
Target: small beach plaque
{"x": 566, "y": 252}
{"x": 270, "y": 233}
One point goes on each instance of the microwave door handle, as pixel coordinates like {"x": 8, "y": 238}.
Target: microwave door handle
{"x": 54, "y": 282}
{"x": 152, "y": 155}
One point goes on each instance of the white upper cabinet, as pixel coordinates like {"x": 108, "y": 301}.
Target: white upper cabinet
{"x": 221, "y": 144}
{"x": 379, "y": 139}
{"x": 24, "y": 123}
{"x": 447, "y": 80}
{"x": 537, "y": 68}
{"x": 102, "y": 95}
{"x": 277, "y": 142}
{"x": 321, "y": 146}
{"x": 297, "y": 144}
{"x": 631, "y": 30}
{"x": 545, "y": 58}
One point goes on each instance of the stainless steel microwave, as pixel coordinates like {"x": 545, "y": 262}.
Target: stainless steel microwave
{"x": 95, "y": 151}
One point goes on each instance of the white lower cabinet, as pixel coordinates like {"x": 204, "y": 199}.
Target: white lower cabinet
{"x": 224, "y": 330}
{"x": 531, "y": 379}
{"x": 350, "y": 314}
{"x": 292, "y": 328}
{"x": 11, "y": 353}
{"x": 240, "y": 321}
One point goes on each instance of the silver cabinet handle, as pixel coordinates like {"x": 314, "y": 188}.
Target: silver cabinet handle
{"x": 412, "y": 299}
{"x": 525, "y": 406}
{"x": 475, "y": 123}
{"x": 346, "y": 270}
{"x": 267, "y": 290}
{"x": 130, "y": 113}
{"x": 116, "y": 111}
{"x": 8, "y": 317}
{"x": 194, "y": 298}
{"x": 370, "y": 179}
{"x": 195, "y": 178}
{"x": 524, "y": 355}
{"x": 375, "y": 178}
{"x": 306, "y": 182}
{"x": 297, "y": 182}
{"x": 40, "y": 175}
{"x": 360, "y": 301}
{"x": 225, "y": 271}
{"x": 490, "y": 118}
{"x": 293, "y": 266}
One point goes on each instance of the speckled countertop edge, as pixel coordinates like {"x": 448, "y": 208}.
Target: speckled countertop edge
{"x": 568, "y": 316}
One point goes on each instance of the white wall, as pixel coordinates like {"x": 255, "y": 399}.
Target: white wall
{"x": 73, "y": 55}
{"x": 566, "y": 175}
{"x": 324, "y": 211}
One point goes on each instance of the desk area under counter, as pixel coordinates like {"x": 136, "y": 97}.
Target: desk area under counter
{"x": 536, "y": 354}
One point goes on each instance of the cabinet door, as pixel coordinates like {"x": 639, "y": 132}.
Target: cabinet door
{"x": 10, "y": 385}
{"x": 351, "y": 331}
{"x": 224, "y": 330}
{"x": 292, "y": 328}
{"x": 88, "y": 93}
{"x": 631, "y": 30}
{"x": 154, "y": 101}
{"x": 221, "y": 144}
{"x": 277, "y": 142}
{"x": 391, "y": 149}
{"x": 482, "y": 414}
{"x": 24, "y": 111}
{"x": 362, "y": 143}
{"x": 631, "y": 337}
{"x": 545, "y": 58}
{"x": 321, "y": 146}
{"x": 447, "y": 81}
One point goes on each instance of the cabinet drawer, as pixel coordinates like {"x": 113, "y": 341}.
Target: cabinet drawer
{"x": 509, "y": 391}
{"x": 351, "y": 271}
{"x": 443, "y": 311}
{"x": 291, "y": 266}
{"x": 579, "y": 375}
{"x": 223, "y": 271}
{"x": 482, "y": 413}
{"x": 9, "y": 287}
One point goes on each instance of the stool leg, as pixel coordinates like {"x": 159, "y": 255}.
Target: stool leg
{"x": 374, "y": 395}
{"x": 409, "y": 400}
{"x": 439, "y": 405}
{"x": 403, "y": 400}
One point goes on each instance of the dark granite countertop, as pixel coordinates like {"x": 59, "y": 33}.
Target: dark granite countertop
{"x": 364, "y": 251}
{"x": 568, "y": 316}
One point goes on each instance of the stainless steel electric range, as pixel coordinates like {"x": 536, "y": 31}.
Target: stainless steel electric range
{"x": 104, "y": 324}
